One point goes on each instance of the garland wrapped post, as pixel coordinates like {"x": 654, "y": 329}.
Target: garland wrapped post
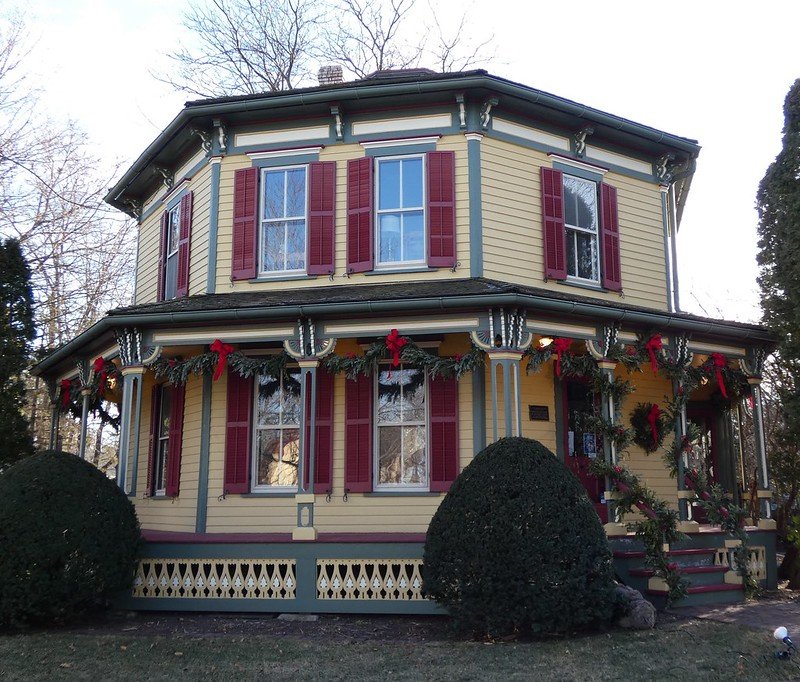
{"x": 71, "y": 392}
{"x": 657, "y": 529}
{"x": 402, "y": 349}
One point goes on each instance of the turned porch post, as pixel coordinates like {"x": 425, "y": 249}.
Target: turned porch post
{"x": 685, "y": 522}
{"x": 55, "y": 413}
{"x": 609, "y": 412}
{"x": 85, "y": 375}
{"x": 764, "y": 493}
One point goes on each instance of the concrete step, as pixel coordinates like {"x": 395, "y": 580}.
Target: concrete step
{"x": 703, "y": 594}
{"x": 698, "y": 575}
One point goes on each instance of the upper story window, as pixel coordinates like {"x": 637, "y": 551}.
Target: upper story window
{"x": 283, "y": 219}
{"x": 580, "y": 229}
{"x": 276, "y": 451}
{"x": 400, "y": 214}
{"x": 401, "y": 428}
{"x": 580, "y": 223}
{"x": 171, "y": 253}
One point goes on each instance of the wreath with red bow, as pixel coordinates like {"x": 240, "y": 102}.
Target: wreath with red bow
{"x": 650, "y": 426}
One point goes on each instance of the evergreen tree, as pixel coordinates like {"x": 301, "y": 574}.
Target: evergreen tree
{"x": 16, "y": 334}
{"x": 778, "y": 203}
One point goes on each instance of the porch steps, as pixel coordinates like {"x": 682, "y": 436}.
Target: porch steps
{"x": 707, "y": 580}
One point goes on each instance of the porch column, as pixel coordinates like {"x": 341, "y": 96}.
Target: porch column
{"x": 609, "y": 413}
{"x": 764, "y": 493}
{"x": 308, "y": 415}
{"x": 685, "y": 522}
{"x": 55, "y": 413}
{"x": 85, "y": 394}
{"x": 512, "y": 408}
{"x": 129, "y": 423}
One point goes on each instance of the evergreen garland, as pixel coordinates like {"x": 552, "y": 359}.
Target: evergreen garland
{"x": 659, "y": 526}
{"x": 177, "y": 370}
{"x": 642, "y": 424}
{"x": 71, "y": 397}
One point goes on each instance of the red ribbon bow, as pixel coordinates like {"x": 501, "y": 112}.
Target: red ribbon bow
{"x": 647, "y": 510}
{"x": 394, "y": 344}
{"x": 99, "y": 368}
{"x": 719, "y": 361}
{"x": 560, "y": 345}
{"x": 652, "y": 417}
{"x": 653, "y": 346}
{"x": 223, "y": 350}
{"x": 66, "y": 387}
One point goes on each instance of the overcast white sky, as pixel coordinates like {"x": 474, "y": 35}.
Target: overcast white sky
{"x": 713, "y": 71}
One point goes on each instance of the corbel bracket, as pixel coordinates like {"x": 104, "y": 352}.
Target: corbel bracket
{"x": 664, "y": 168}
{"x": 306, "y": 344}
{"x": 462, "y": 110}
{"x": 336, "y": 112}
{"x": 222, "y": 134}
{"x": 167, "y": 176}
{"x": 486, "y": 111}
{"x": 579, "y": 140}
{"x": 135, "y": 207}
{"x": 205, "y": 138}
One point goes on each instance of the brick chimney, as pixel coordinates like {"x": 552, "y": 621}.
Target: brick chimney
{"x": 330, "y": 75}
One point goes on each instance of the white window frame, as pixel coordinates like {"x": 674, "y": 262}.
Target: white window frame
{"x": 262, "y": 222}
{"x": 171, "y": 251}
{"x": 254, "y": 486}
{"x": 576, "y": 228}
{"x": 161, "y": 446}
{"x": 378, "y": 212}
{"x": 376, "y": 455}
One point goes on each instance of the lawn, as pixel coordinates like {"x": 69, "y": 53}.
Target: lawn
{"x": 336, "y": 648}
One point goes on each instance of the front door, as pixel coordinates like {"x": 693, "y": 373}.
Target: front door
{"x": 581, "y": 443}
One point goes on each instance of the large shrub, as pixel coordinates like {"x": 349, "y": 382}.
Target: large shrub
{"x": 516, "y": 546}
{"x": 68, "y": 539}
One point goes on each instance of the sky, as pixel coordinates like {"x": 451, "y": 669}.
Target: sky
{"x": 713, "y": 71}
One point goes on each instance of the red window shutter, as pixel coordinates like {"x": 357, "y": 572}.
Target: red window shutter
{"x": 555, "y": 260}
{"x": 358, "y": 435}
{"x": 184, "y": 241}
{"x": 155, "y": 408}
{"x": 441, "y": 209}
{"x": 245, "y": 223}
{"x": 359, "y": 215}
{"x": 321, "y": 217}
{"x": 609, "y": 231}
{"x": 162, "y": 254}
{"x": 323, "y": 442}
{"x": 172, "y": 484}
{"x": 238, "y": 434}
{"x": 444, "y": 432}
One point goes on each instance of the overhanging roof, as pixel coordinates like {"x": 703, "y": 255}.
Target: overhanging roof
{"x": 417, "y": 88}
{"x": 386, "y": 299}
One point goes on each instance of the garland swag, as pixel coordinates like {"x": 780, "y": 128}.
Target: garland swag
{"x": 402, "y": 349}
{"x": 178, "y": 370}
{"x": 104, "y": 372}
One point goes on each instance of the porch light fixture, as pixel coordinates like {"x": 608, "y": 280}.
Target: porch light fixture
{"x": 782, "y": 635}
{"x": 545, "y": 341}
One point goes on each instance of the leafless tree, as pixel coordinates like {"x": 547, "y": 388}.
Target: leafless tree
{"x": 251, "y": 46}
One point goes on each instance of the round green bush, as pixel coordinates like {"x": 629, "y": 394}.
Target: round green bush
{"x": 516, "y": 547}
{"x": 68, "y": 539}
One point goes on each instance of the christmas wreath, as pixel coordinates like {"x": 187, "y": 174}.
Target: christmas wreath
{"x": 650, "y": 425}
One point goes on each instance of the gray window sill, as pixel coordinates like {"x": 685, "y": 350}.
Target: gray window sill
{"x": 398, "y": 271}
{"x": 265, "y": 494}
{"x": 159, "y": 498}
{"x": 282, "y": 278}
{"x": 582, "y": 285}
{"x": 402, "y": 493}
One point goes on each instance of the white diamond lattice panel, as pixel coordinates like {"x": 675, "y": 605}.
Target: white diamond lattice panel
{"x": 373, "y": 579}
{"x": 215, "y": 579}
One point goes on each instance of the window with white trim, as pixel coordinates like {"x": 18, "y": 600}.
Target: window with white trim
{"x": 276, "y": 447}
{"x": 581, "y": 226}
{"x": 283, "y": 220}
{"x": 401, "y": 429}
{"x": 171, "y": 252}
{"x": 162, "y": 442}
{"x": 400, "y": 213}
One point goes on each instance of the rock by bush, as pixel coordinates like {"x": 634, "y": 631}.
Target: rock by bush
{"x": 517, "y": 547}
{"x": 638, "y": 613}
{"x": 68, "y": 539}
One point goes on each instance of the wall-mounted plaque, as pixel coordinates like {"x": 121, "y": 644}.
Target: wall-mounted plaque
{"x": 539, "y": 413}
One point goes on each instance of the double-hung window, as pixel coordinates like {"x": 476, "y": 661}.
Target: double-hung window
{"x": 284, "y": 202}
{"x": 401, "y": 428}
{"x": 276, "y": 450}
{"x": 170, "y": 264}
{"x": 400, "y": 215}
{"x": 581, "y": 225}
{"x": 162, "y": 443}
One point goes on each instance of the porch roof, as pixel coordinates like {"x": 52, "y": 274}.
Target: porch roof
{"x": 385, "y": 299}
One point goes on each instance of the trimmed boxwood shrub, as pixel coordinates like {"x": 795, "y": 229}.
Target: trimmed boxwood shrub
{"x": 68, "y": 539}
{"x": 516, "y": 546}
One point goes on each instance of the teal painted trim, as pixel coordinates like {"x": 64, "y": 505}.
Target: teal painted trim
{"x": 478, "y": 409}
{"x": 205, "y": 454}
{"x": 475, "y": 184}
{"x": 559, "y": 417}
{"x": 159, "y": 205}
{"x": 451, "y": 129}
{"x": 667, "y": 253}
{"x": 578, "y": 172}
{"x": 172, "y": 203}
{"x": 377, "y": 152}
{"x": 397, "y": 493}
{"x": 280, "y": 161}
{"x": 283, "y": 278}
{"x": 283, "y": 550}
{"x": 548, "y": 149}
{"x": 398, "y": 271}
{"x": 137, "y": 427}
{"x": 213, "y": 229}
{"x": 291, "y": 494}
